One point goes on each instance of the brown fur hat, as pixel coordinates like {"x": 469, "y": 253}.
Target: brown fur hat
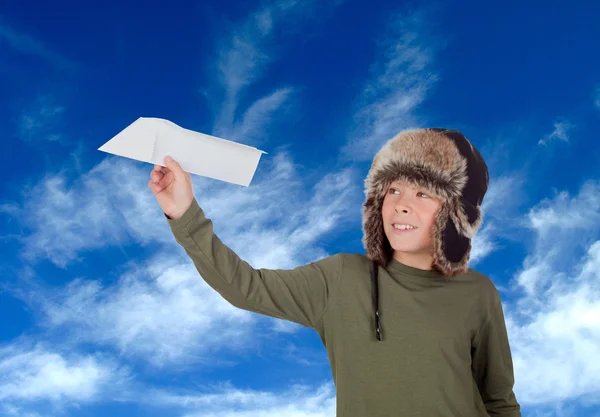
{"x": 444, "y": 162}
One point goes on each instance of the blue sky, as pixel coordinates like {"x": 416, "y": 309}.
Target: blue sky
{"x": 102, "y": 310}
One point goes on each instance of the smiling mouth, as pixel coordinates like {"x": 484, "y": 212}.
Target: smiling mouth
{"x": 404, "y": 227}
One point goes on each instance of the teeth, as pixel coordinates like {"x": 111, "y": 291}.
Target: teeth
{"x": 404, "y": 227}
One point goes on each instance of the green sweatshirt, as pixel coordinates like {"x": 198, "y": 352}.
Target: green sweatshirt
{"x": 444, "y": 351}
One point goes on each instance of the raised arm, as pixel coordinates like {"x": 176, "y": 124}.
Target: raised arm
{"x": 300, "y": 295}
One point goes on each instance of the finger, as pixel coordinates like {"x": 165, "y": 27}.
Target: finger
{"x": 156, "y": 176}
{"x": 154, "y": 187}
{"x": 166, "y": 179}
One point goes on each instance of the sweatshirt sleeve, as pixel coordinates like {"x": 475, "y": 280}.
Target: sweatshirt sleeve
{"x": 493, "y": 367}
{"x": 300, "y": 295}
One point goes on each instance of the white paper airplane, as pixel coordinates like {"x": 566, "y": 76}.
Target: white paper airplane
{"x": 150, "y": 139}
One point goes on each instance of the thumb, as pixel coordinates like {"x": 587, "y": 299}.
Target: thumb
{"x": 174, "y": 166}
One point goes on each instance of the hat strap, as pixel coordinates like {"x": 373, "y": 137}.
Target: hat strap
{"x": 375, "y": 279}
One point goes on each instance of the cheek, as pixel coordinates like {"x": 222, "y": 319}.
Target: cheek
{"x": 386, "y": 208}
{"x": 431, "y": 219}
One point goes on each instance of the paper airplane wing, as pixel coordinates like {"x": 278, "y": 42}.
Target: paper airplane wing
{"x": 151, "y": 139}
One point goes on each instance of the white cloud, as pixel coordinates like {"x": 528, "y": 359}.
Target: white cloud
{"x": 555, "y": 326}
{"x": 399, "y": 83}
{"x": 557, "y": 350}
{"x": 162, "y": 311}
{"x": 226, "y": 401}
{"x": 31, "y": 379}
{"x": 561, "y": 131}
{"x": 283, "y": 326}
{"x": 563, "y": 227}
{"x": 565, "y": 214}
{"x": 32, "y": 374}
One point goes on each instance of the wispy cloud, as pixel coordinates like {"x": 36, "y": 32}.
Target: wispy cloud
{"x": 42, "y": 120}
{"x": 561, "y": 132}
{"x": 27, "y": 44}
{"x": 256, "y": 117}
{"x": 499, "y": 216}
{"x": 11, "y": 410}
{"x": 107, "y": 206}
{"x": 482, "y": 244}
{"x": 399, "y": 83}
{"x": 244, "y": 57}
{"x": 554, "y": 326}
{"x": 597, "y": 98}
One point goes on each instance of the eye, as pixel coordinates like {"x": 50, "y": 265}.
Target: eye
{"x": 423, "y": 194}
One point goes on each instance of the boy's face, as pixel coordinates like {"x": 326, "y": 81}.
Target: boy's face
{"x": 405, "y": 205}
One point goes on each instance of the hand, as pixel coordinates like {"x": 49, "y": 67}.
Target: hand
{"x": 172, "y": 188}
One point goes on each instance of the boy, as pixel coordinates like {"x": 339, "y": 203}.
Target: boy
{"x": 425, "y": 336}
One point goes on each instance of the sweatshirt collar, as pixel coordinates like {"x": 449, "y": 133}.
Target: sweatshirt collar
{"x": 412, "y": 271}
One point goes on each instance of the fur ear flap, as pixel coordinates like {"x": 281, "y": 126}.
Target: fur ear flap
{"x": 467, "y": 218}
{"x": 374, "y": 238}
{"x": 454, "y": 245}
{"x": 451, "y": 249}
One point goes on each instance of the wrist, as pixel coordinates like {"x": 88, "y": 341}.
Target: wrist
{"x": 176, "y": 215}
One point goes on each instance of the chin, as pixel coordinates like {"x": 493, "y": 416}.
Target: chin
{"x": 408, "y": 250}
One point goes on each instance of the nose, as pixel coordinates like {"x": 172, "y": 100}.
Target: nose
{"x": 403, "y": 206}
